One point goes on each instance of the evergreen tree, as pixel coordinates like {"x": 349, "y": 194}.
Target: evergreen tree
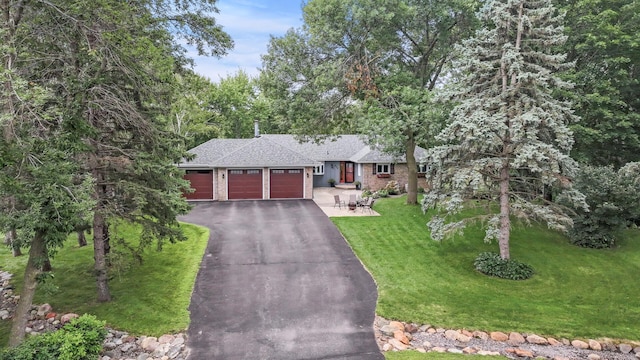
{"x": 508, "y": 139}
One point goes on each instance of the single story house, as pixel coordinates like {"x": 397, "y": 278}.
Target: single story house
{"x": 279, "y": 167}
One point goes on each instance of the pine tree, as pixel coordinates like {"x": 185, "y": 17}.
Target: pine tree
{"x": 508, "y": 139}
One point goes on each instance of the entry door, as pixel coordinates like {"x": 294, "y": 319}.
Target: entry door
{"x": 349, "y": 172}
{"x": 343, "y": 177}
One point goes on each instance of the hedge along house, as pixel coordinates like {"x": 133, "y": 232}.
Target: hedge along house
{"x": 281, "y": 167}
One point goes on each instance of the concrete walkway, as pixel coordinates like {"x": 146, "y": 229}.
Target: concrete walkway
{"x": 323, "y": 197}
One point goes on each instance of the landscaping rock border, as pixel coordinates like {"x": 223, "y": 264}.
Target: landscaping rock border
{"x": 400, "y": 336}
{"x": 117, "y": 345}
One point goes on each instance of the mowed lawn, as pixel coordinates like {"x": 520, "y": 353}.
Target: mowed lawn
{"x": 151, "y": 298}
{"x": 575, "y": 293}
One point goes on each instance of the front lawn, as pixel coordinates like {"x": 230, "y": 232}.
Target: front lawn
{"x": 575, "y": 292}
{"x": 151, "y": 298}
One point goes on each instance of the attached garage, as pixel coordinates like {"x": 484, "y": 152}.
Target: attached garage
{"x": 202, "y": 183}
{"x": 245, "y": 184}
{"x": 287, "y": 184}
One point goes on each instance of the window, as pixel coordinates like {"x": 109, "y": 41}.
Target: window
{"x": 198, "y": 172}
{"x": 383, "y": 168}
{"x": 235, "y": 172}
{"x": 423, "y": 168}
{"x": 253, "y": 172}
{"x": 318, "y": 170}
{"x": 277, "y": 171}
{"x": 295, "y": 171}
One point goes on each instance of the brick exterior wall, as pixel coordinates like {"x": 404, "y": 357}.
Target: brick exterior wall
{"x": 266, "y": 178}
{"x": 308, "y": 183}
{"x": 372, "y": 182}
{"x": 220, "y": 184}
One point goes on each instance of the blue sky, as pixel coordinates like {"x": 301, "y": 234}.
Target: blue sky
{"x": 249, "y": 22}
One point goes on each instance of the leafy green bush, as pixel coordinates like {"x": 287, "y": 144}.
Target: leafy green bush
{"x": 492, "y": 264}
{"x": 80, "y": 339}
{"x": 366, "y": 193}
{"x": 614, "y": 204}
{"x": 380, "y": 194}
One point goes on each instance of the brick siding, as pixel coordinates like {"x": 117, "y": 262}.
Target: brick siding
{"x": 372, "y": 182}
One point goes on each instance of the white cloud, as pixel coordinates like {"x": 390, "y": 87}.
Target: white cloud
{"x": 250, "y": 24}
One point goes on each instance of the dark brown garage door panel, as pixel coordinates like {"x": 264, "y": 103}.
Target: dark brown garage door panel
{"x": 245, "y": 184}
{"x": 287, "y": 184}
{"x": 202, "y": 182}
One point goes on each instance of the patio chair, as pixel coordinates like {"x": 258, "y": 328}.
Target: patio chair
{"x": 368, "y": 204}
{"x": 338, "y": 202}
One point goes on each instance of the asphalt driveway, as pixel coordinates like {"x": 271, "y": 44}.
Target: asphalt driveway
{"x": 278, "y": 281}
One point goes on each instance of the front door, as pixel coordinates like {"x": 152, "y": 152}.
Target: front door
{"x": 349, "y": 172}
{"x": 346, "y": 172}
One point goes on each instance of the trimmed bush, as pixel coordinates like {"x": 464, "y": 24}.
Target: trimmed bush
{"x": 81, "y": 339}
{"x": 492, "y": 264}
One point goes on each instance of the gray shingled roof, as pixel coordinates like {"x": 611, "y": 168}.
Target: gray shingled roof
{"x": 264, "y": 152}
{"x": 206, "y": 154}
{"x": 284, "y": 150}
{"x": 338, "y": 149}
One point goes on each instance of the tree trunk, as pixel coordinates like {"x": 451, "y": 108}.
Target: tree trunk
{"x": 107, "y": 245}
{"x": 10, "y": 239}
{"x": 45, "y": 262}
{"x": 505, "y": 222}
{"x": 28, "y": 290}
{"x": 99, "y": 257}
{"x": 82, "y": 240}
{"x": 412, "y": 181}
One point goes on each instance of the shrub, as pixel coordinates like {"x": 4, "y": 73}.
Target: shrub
{"x": 380, "y": 194}
{"x": 614, "y": 204}
{"x": 392, "y": 188}
{"x": 420, "y": 190}
{"x": 366, "y": 193}
{"x": 492, "y": 264}
{"x": 81, "y": 339}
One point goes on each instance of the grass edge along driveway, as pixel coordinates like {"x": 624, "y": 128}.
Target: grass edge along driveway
{"x": 575, "y": 293}
{"x": 148, "y": 299}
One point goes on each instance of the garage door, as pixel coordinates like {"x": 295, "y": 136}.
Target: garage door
{"x": 245, "y": 184}
{"x": 202, "y": 182}
{"x": 287, "y": 184}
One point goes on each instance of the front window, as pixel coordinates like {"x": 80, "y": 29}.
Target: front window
{"x": 383, "y": 168}
{"x": 318, "y": 170}
{"x": 423, "y": 169}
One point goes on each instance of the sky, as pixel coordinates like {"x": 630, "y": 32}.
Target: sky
{"x": 249, "y": 23}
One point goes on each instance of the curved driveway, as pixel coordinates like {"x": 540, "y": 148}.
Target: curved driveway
{"x": 278, "y": 281}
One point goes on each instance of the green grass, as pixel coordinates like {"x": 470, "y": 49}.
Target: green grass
{"x": 575, "y": 292}
{"x": 149, "y": 298}
{"x": 414, "y": 355}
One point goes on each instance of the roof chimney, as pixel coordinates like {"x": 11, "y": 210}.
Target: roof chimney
{"x": 256, "y": 128}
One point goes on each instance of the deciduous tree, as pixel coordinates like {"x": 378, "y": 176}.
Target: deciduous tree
{"x": 384, "y": 53}
{"x": 604, "y": 45}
